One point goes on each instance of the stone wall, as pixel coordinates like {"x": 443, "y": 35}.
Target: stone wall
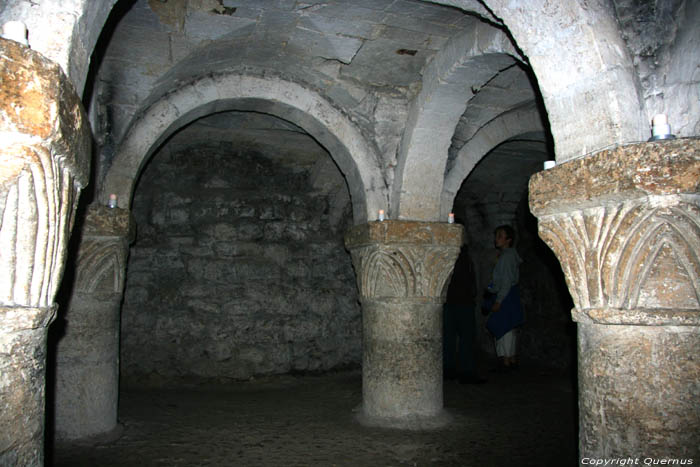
{"x": 239, "y": 267}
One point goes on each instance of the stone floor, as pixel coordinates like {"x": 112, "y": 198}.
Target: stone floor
{"x": 525, "y": 418}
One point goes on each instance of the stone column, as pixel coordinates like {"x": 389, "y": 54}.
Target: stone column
{"x": 402, "y": 269}
{"x": 44, "y": 163}
{"x": 625, "y": 225}
{"x": 87, "y": 355}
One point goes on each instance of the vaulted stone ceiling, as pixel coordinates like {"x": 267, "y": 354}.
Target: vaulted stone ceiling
{"x": 367, "y": 57}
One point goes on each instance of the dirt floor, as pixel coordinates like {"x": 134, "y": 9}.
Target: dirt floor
{"x": 525, "y": 418}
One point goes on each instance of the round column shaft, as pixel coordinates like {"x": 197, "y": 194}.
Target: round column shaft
{"x": 402, "y": 268}
{"x": 23, "y": 370}
{"x": 87, "y": 355}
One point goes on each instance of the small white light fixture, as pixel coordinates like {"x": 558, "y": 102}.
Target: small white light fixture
{"x": 112, "y": 203}
{"x": 380, "y": 215}
{"x": 15, "y": 31}
{"x": 451, "y": 218}
{"x": 549, "y": 164}
{"x": 660, "y": 129}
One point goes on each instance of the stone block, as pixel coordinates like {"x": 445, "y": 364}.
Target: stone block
{"x": 333, "y": 25}
{"x": 274, "y": 231}
{"x": 392, "y": 231}
{"x": 342, "y": 97}
{"x": 627, "y": 172}
{"x": 328, "y": 46}
{"x": 439, "y": 27}
{"x": 411, "y": 40}
{"x": 398, "y": 70}
{"x": 335, "y": 10}
{"x": 146, "y": 46}
{"x": 284, "y": 5}
{"x": 200, "y": 26}
{"x": 296, "y": 232}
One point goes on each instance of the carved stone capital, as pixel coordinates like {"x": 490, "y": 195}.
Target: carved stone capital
{"x": 44, "y": 163}
{"x": 404, "y": 259}
{"x": 103, "y": 250}
{"x": 625, "y": 225}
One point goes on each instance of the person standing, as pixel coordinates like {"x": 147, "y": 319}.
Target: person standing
{"x": 506, "y": 312}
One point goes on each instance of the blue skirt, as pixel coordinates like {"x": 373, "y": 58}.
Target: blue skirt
{"x": 509, "y": 316}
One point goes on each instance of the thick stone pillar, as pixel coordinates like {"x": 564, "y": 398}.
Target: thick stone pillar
{"x": 87, "y": 356}
{"x": 44, "y": 163}
{"x": 625, "y": 225}
{"x": 402, "y": 268}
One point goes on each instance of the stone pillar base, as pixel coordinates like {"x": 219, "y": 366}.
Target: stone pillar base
{"x": 402, "y": 269}
{"x": 413, "y": 422}
{"x": 22, "y": 382}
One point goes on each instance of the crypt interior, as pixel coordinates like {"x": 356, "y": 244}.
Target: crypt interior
{"x": 226, "y": 238}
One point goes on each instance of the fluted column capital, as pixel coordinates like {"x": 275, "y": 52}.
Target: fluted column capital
{"x": 44, "y": 162}
{"x": 404, "y": 259}
{"x": 625, "y": 226}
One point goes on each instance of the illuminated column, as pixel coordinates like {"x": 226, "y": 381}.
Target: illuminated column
{"x": 625, "y": 225}
{"x": 44, "y": 163}
{"x": 402, "y": 269}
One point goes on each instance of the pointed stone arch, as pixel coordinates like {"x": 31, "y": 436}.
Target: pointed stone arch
{"x": 275, "y": 96}
{"x": 466, "y": 62}
{"x": 101, "y": 265}
{"x": 641, "y": 264}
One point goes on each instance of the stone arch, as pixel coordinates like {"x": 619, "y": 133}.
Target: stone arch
{"x": 466, "y": 62}
{"x": 584, "y": 71}
{"x": 290, "y": 101}
{"x": 507, "y": 126}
